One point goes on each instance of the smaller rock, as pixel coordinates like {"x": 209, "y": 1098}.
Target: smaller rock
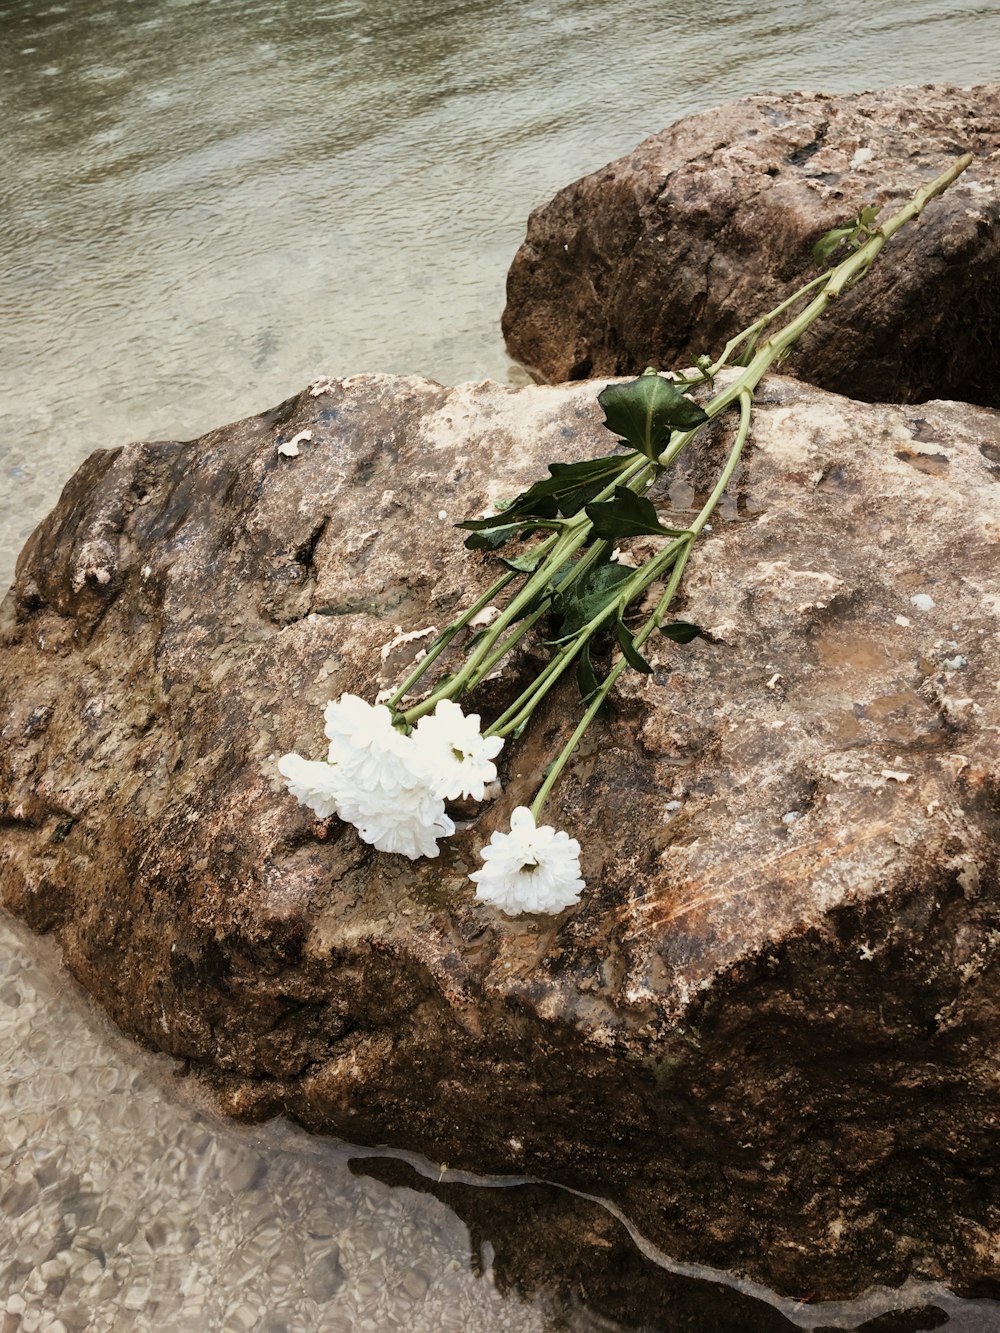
{"x": 675, "y": 248}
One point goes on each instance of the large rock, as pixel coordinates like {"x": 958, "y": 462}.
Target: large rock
{"x": 677, "y": 247}
{"x": 769, "y": 1030}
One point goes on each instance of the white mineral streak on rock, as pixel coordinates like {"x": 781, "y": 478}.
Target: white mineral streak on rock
{"x": 862, "y": 156}
{"x": 290, "y": 448}
{"x": 776, "y": 580}
{"x": 355, "y": 544}
{"x": 923, "y": 601}
{"x": 401, "y": 638}
{"x": 484, "y": 617}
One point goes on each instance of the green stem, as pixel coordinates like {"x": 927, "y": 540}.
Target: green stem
{"x": 525, "y": 704}
{"x": 653, "y": 570}
{"x": 844, "y": 275}
{"x": 565, "y": 544}
{"x": 575, "y": 532}
{"x": 833, "y": 282}
{"x": 596, "y": 553}
{"x": 445, "y": 637}
{"x": 761, "y": 324}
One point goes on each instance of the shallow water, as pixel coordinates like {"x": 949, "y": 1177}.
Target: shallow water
{"x": 202, "y": 207}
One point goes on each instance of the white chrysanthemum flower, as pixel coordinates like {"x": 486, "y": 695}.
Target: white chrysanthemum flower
{"x": 529, "y": 869}
{"x": 409, "y": 822}
{"x": 365, "y": 745}
{"x": 314, "y": 783}
{"x": 376, "y": 779}
{"x": 458, "y": 759}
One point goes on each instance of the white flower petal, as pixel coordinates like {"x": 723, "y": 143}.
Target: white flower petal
{"x": 314, "y": 784}
{"x": 376, "y": 779}
{"x": 455, "y": 756}
{"x": 529, "y": 869}
{"x": 409, "y": 824}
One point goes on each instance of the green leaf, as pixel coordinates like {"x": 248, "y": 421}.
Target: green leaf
{"x": 521, "y": 564}
{"x": 580, "y": 482}
{"x": 586, "y": 676}
{"x": 491, "y": 539}
{"x": 592, "y": 594}
{"x": 626, "y": 515}
{"x": 828, "y": 243}
{"x": 682, "y": 631}
{"x": 853, "y": 234}
{"x": 631, "y": 653}
{"x": 565, "y": 491}
{"x": 546, "y": 508}
{"x": 646, "y": 410}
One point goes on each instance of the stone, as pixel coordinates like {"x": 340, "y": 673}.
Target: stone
{"x": 771, "y": 1043}
{"x": 677, "y": 247}
{"x": 578, "y": 1261}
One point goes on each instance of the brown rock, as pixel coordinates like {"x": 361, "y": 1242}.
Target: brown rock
{"x": 579, "y": 1262}
{"x": 768, "y": 1032}
{"x": 677, "y": 247}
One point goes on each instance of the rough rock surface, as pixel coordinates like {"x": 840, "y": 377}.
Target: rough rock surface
{"x": 677, "y": 247}
{"x": 769, "y": 1030}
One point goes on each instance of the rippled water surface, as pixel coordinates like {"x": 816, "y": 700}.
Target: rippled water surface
{"x": 203, "y": 205}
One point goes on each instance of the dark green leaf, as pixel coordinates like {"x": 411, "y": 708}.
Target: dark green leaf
{"x": 646, "y": 410}
{"x": 565, "y": 491}
{"x": 491, "y": 539}
{"x": 626, "y": 515}
{"x": 596, "y": 590}
{"x": 545, "y": 593}
{"x": 580, "y": 482}
{"x": 631, "y": 653}
{"x": 586, "y": 676}
{"x": 561, "y": 573}
{"x": 681, "y": 631}
{"x": 543, "y": 507}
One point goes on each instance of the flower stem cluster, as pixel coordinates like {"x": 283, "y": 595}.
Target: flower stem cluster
{"x": 390, "y": 770}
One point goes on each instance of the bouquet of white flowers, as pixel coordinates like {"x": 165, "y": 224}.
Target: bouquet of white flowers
{"x": 392, "y": 769}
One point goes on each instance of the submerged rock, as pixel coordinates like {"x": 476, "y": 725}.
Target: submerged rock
{"x": 769, "y": 1030}
{"x": 675, "y": 248}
